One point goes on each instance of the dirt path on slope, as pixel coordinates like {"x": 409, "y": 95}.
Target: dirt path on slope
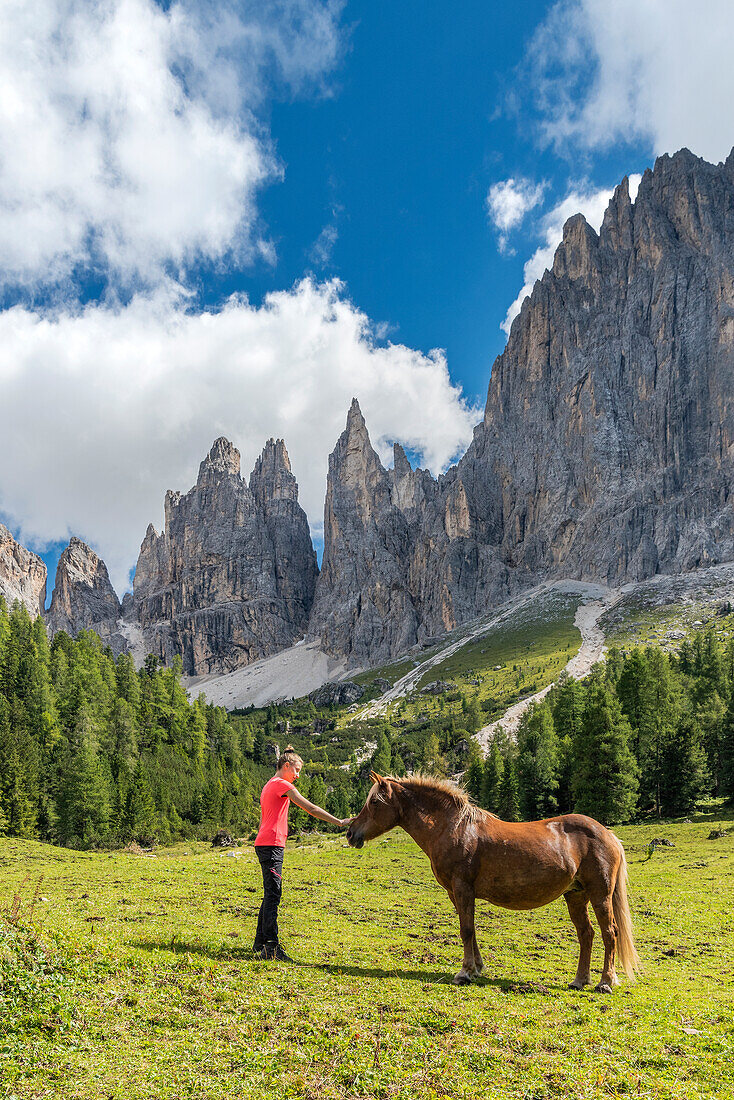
{"x": 507, "y": 611}
{"x": 406, "y": 683}
{"x": 592, "y": 645}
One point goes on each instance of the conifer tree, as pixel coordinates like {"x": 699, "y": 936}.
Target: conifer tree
{"x": 398, "y": 768}
{"x": 684, "y": 773}
{"x": 604, "y": 780}
{"x": 508, "y": 807}
{"x": 494, "y": 771}
{"x": 537, "y": 763}
{"x": 567, "y": 704}
{"x": 474, "y": 774}
{"x": 85, "y": 806}
{"x": 433, "y": 761}
{"x": 664, "y": 702}
{"x": 381, "y": 758}
{"x": 634, "y": 690}
{"x": 726, "y": 752}
{"x": 473, "y": 716}
{"x": 140, "y": 812}
{"x": 18, "y": 771}
{"x": 318, "y": 791}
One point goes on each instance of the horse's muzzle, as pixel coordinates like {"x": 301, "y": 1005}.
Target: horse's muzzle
{"x": 356, "y": 840}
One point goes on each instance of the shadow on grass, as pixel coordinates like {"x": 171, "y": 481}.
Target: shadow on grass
{"x": 426, "y": 977}
{"x": 176, "y": 946}
{"x": 240, "y": 953}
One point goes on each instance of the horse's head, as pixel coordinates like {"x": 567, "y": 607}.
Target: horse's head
{"x": 380, "y": 812}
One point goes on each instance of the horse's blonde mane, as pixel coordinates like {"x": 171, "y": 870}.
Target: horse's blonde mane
{"x": 450, "y": 794}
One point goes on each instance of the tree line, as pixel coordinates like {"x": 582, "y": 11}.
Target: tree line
{"x": 647, "y": 733}
{"x": 94, "y": 752}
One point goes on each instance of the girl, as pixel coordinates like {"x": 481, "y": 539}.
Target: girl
{"x": 275, "y": 800}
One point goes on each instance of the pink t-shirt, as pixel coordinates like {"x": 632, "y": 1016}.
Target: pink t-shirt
{"x": 274, "y": 803}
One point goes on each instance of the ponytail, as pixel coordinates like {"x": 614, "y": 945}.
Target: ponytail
{"x": 289, "y": 756}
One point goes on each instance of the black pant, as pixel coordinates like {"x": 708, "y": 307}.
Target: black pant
{"x": 271, "y": 864}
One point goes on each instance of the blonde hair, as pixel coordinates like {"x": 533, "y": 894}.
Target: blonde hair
{"x": 289, "y": 756}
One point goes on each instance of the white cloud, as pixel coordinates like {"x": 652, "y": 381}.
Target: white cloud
{"x": 637, "y": 70}
{"x": 323, "y": 247}
{"x": 128, "y": 132}
{"x": 508, "y": 201}
{"x": 105, "y": 408}
{"x": 592, "y": 204}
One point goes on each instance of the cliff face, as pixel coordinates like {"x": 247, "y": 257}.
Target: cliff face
{"x": 231, "y": 578}
{"x": 606, "y": 449}
{"x": 83, "y": 597}
{"x": 363, "y": 605}
{"x": 22, "y": 575}
{"x": 401, "y": 559}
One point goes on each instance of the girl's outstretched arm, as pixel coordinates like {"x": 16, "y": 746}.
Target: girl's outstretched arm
{"x": 316, "y": 811}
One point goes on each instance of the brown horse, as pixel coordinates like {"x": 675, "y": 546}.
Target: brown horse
{"x": 517, "y": 866}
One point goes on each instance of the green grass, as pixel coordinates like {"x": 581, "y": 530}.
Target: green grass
{"x": 391, "y": 672}
{"x": 638, "y": 622}
{"x": 531, "y": 651}
{"x": 151, "y": 990}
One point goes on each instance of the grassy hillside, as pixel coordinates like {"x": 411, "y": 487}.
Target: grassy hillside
{"x": 141, "y": 984}
{"x": 511, "y": 660}
{"x": 518, "y": 657}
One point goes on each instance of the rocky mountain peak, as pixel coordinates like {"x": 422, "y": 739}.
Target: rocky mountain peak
{"x": 617, "y": 226}
{"x": 271, "y": 478}
{"x": 355, "y": 467}
{"x": 355, "y": 420}
{"x": 400, "y": 463}
{"x": 22, "y": 575}
{"x": 577, "y": 255}
{"x": 223, "y": 458}
{"x": 83, "y": 597}
{"x": 231, "y": 578}
{"x": 607, "y": 447}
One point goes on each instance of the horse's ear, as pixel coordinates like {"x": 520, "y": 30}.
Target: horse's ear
{"x": 376, "y": 778}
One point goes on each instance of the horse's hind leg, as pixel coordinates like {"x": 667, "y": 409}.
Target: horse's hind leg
{"x": 578, "y": 911}
{"x": 463, "y": 899}
{"x": 605, "y": 916}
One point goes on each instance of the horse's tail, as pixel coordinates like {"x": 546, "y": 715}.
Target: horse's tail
{"x": 627, "y": 957}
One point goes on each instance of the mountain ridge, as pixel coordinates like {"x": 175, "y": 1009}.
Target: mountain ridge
{"x": 605, "y": 454}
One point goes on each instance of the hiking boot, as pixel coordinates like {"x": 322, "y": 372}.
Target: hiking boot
{"x": 277, "y": 953}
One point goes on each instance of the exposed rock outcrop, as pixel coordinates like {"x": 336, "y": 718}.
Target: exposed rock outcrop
{"x": 83, "y": 598}
{"x": 338, "y": 694}
{"x": 606, "y": 451}
{"x": 607, "y": 443}
{"x": 363, "y": 605}
{"x": 22, "y": 575}
{"x": 401, "y": 563}
{"x": 232, "y": 576}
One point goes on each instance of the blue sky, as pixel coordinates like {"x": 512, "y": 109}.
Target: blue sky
{"x": 229, "y": 218}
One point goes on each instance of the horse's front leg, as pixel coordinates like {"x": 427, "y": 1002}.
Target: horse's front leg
{"x": 463, "y": 899}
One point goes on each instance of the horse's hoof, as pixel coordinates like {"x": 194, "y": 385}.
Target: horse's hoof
{"x": 578, "y": 983}
{"x": 603, "y": 987}
{"x": 462, "y": 978}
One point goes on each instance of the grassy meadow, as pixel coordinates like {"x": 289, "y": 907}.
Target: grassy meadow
{"x": 129, "y": 976}
{"x": 512, "y": 660}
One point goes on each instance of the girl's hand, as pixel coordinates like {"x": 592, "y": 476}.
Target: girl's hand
{"x": 345, "y": 822}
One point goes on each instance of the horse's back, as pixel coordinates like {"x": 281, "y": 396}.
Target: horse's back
{"x": 522, "y": 865}
{"x": 568, "y": 825}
